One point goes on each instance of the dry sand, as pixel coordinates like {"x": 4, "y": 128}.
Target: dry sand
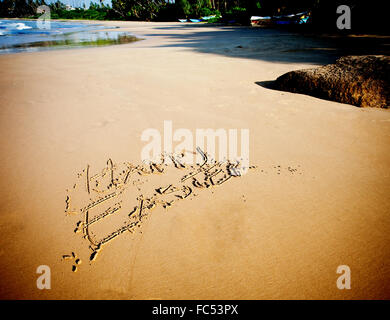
{"x": 275, "y": 233}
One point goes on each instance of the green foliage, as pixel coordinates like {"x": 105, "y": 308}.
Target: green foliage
{"x": 18, "y": 8}
{"x": 183, "y": 8}
{"x": 239, "y": 11}
{"x": 196, "y": 6}
{"x": 209, "y": 12}
{"x": 137, "y": 9}
{"x": 90, "y": 14}
{"x": 238, "y": 15}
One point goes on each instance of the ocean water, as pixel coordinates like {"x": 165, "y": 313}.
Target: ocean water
{"x": 27, "y": 36}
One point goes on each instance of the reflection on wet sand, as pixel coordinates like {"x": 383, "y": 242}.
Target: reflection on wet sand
{"x": 73, "y": 40}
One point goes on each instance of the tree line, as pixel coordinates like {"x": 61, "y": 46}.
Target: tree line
{"x": 366, "y": 16}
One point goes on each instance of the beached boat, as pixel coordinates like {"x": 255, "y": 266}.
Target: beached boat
{"x": 202, "y": 19}
{"x": 207, "y": 18}
{"x": 298, "y": 18}
{"x": 290, "y": 19}
{"x": 257, "y": 21}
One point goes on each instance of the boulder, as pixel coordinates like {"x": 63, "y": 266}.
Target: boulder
{"x": 362, "y": 81}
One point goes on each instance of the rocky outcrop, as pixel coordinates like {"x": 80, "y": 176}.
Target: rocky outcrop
{"x": 362, "y": 81}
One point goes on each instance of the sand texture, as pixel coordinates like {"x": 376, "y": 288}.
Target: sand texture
{"x": 76, "y": 197}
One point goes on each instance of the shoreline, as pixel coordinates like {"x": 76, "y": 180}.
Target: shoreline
{"x": 341, "y": 44}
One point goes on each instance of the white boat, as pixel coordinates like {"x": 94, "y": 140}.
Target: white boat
{"x": 261, "y": 21}
{"x": 207, "y": 17}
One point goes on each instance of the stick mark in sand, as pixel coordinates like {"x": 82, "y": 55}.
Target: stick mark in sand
{"x": 121, "y": 196}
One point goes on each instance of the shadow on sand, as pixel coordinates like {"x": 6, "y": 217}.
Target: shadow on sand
{"x": 273, "y": 45}
{"x": 268, "y": 85}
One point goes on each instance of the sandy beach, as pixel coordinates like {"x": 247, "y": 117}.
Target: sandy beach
{"x": 316, "y": 198}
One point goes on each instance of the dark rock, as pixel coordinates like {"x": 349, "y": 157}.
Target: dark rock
{"x": 362, "y": 81}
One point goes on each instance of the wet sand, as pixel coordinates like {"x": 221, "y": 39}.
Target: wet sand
{"x": 317, "y": 198}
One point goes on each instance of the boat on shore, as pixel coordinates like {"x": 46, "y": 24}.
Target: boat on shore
{"x": 208, "y": 17}
{"x": 272, "y": 21}
{"x": 258, "y": 21}
{"x": 202, "y": 19}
